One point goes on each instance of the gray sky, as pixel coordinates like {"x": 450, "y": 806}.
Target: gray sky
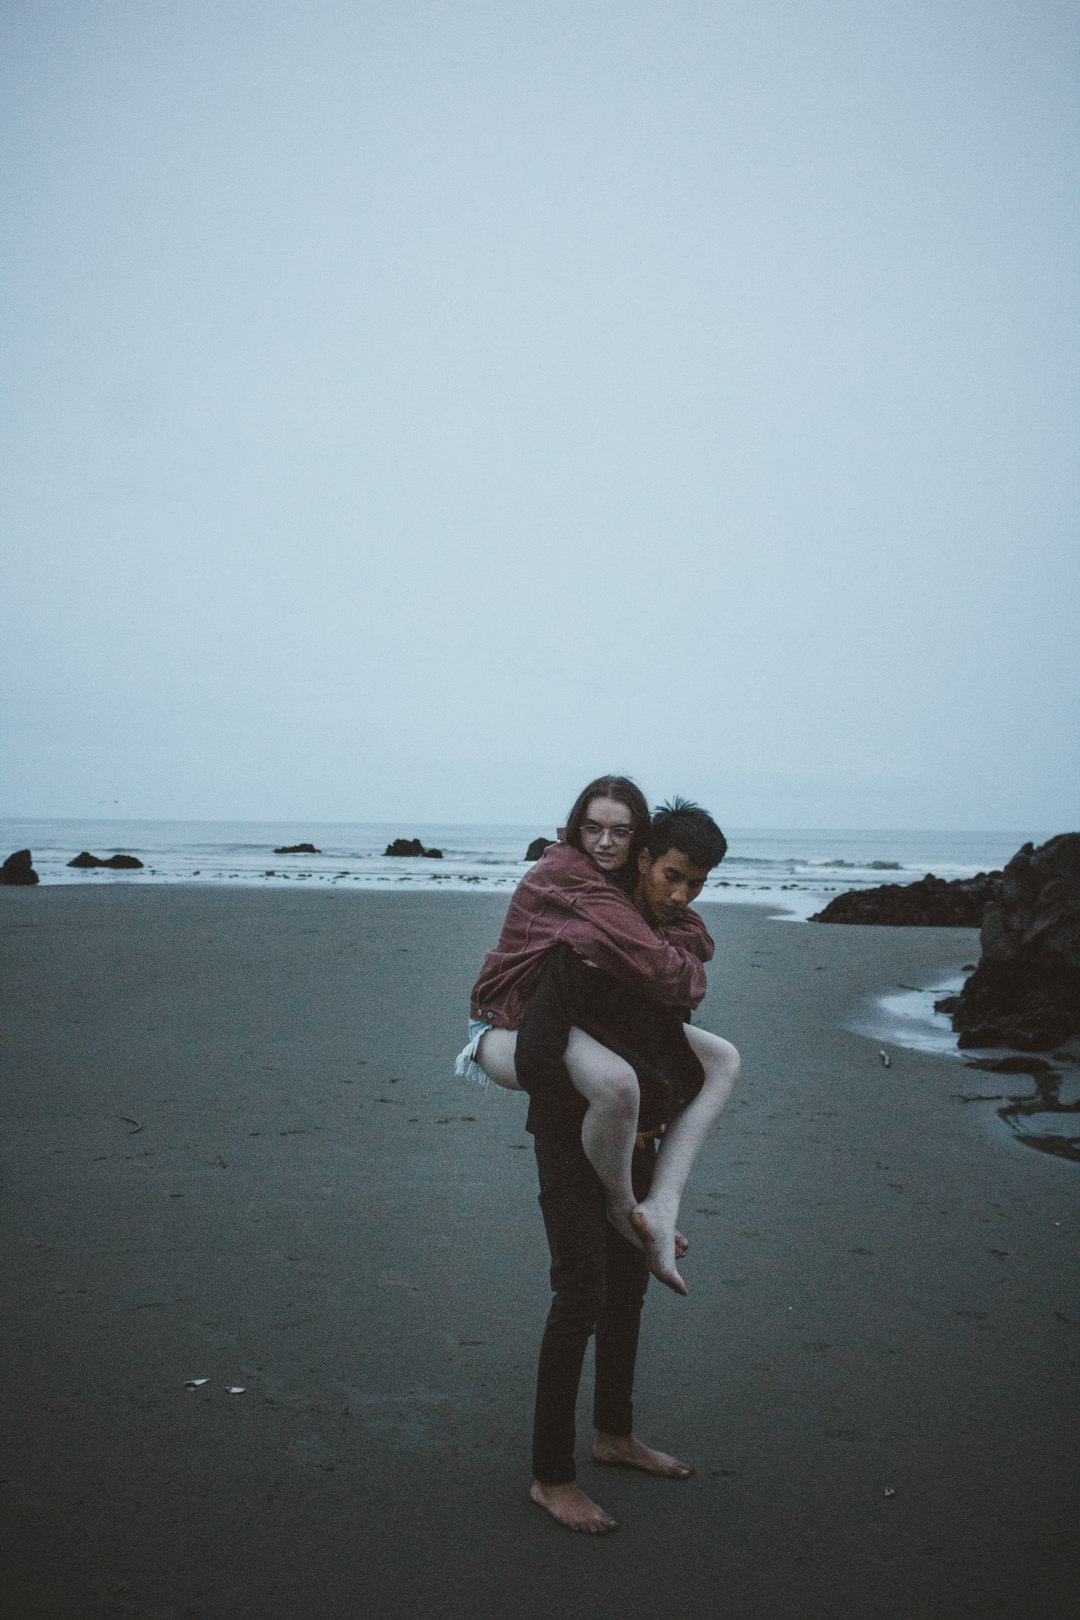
{"x": 413, "y": 409}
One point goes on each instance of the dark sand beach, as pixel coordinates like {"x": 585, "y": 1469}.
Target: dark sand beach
{"x": 234, "y": 1150}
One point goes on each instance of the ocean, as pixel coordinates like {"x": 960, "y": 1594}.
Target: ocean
{"x": 791, "y": 870}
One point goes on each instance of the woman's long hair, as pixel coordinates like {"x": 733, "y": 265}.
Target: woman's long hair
{"x": 626, "y": 792}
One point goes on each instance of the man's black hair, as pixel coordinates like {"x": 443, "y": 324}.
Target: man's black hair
{"x": 684, "y": 826}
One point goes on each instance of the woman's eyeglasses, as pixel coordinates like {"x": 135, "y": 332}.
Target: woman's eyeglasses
{"x": 593, "y": 829}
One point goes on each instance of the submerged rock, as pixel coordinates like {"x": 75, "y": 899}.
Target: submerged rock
{"x": 932, "y": 902}
{"x": 412, "y": 846}
{"x": 118, "y": 863}
{"x": 1025, "y": 991}
{"x": 537, "y": 848}
{"x": 19, "y": 869}
{"x": 298, "y": 849}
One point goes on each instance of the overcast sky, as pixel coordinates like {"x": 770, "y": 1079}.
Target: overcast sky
{"x": 412, "y": 409}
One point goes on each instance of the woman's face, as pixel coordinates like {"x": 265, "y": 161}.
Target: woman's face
{"x": 607, "y": 831}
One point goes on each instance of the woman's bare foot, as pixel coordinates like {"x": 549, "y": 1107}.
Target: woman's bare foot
{"x": 623, "y": 1222}
{"x": 627, "y": 1451}
{"x": 656, "y": 1234}
{"x": 571, "y": 1508}
{"x": 622, "y": 1219}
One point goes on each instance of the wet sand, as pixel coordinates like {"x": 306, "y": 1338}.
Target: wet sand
{"x": 234, "y": 1150}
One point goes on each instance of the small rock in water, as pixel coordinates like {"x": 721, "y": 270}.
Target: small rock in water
{"x": 412, "y": 847}
{"x": 118, "y": 863}
{"x": 19, "y": 869}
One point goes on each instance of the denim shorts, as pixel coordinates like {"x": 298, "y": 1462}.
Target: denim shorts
{"x": 466, "y": 1065}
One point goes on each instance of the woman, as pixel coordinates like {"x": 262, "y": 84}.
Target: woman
{"x": 578, "y": 895}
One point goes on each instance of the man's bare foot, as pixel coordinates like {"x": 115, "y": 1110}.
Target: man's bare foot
{"x": 627, "y": 1451}
{"x": 657, "y": 1238}
{"x": 571, "y": 1508}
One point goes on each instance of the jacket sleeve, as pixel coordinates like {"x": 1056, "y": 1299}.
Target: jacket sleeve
{"x": 599, "y": 922}
{"x": 689, "y": 932}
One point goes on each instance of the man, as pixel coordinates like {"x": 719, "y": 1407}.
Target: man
{"x": 600, "y": 1265}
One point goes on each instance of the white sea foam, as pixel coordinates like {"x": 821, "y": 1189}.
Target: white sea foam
{"x": 906, "y": 1017}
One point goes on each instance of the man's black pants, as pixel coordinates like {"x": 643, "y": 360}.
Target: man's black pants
{"x": 599, "y": 1282}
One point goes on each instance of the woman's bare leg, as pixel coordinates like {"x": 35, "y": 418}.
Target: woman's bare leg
{"x": 495, "y": 1055}
{"x": 609, "y": 1129}
{"x": 609, "y": 1086}
{"x": 655, "y": 1217}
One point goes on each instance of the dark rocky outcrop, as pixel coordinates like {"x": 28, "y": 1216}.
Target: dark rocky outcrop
{"x": 412, "y": 846}
{"x": 537, "y": 848}
{"x": 298, "y": 849}
{"x": 117, "y": 863}
{"x": 1025, "y": 991}
{"x": 19, "y": 869}
{"x": 930, "y": 903}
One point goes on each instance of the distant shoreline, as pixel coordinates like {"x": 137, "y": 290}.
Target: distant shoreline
{"x": 792, "y": 871}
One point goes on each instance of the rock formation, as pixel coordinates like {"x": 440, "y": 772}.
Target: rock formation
{"x": 537, "y": 848}
{"x": 930, "y": 903}
{"x": 298, "y": 849}
{"x": 118, "y": 863}
{"x": 412, "y": 846}
{"x": 1025, "y": 991}
{"x": 19, "y": 868}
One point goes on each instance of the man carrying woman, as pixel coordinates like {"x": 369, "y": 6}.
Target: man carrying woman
{"x": 582, "y": 1004}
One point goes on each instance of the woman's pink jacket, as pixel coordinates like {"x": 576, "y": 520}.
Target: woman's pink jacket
{"x": 567, "y": 900}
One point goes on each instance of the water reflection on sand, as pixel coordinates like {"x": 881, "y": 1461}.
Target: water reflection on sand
{"x": 1045, "y": 1115}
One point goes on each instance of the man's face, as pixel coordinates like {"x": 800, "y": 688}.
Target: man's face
{"x": 667, "y": 884}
